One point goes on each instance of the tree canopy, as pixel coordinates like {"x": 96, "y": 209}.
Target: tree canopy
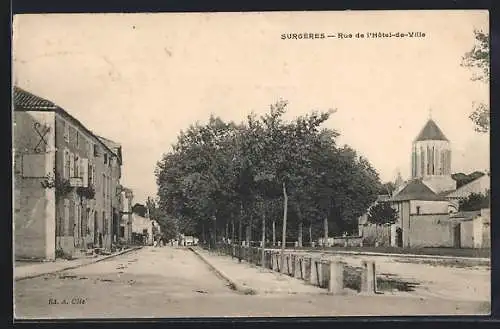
{"x": 478, "y": 60}
{"x": 382, "y": 213}
{"x": 475, "y": 201}
{"x": 220, "y": 174}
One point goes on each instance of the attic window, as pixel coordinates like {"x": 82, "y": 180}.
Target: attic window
{"x": 96, "y": 150}
{"x": 418, "y": 210}
{"x": 105, "y": 158}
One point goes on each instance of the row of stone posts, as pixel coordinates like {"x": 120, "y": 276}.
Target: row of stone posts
{"x": 328, "y": 274}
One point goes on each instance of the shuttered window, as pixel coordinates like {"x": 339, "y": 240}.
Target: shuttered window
{"x": 71, "y": 165}
{"x": 65, "y": 222}
{"x": 76, "y": 164}
{"x": 84, "y": 171}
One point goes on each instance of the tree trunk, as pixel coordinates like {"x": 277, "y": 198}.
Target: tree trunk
{"x": 263, "y": 256}
{"x": 300, "y": 235}
{"x": 310, "y": 235}
{"x": 215, "y": 231}
{"x": 274, "y": 233}
{"x": 283, "y": 238}
{"x": 203, "y": 232}
{"x": 232, "y": 230}
{"x": 325, "y": 225}
{"x": 240, "y": 232}
{"x": 227, "y": 231}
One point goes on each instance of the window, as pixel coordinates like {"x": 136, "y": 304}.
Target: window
{"x": 66, "y": 131}
{"x": 89, "y": 172}
{"x": 104, "y": 186}
{"x": 105, "y": 223}
{"x": 122, "y": 231}
{"x": 418, "y": 210}
{"x": 71, "y": 165}
{"x": 105, "y": 158}
{"x": 65, "y": 222}
{"x": 76, "y": 169}
{"x": 77, "y": 139}
{"x": 67, "y": 164}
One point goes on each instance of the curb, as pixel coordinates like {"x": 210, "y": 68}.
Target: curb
{"x": 70, "y": 267}
{"x": 235, "y": 286}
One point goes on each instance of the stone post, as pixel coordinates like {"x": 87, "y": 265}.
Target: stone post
{"x": 306, "y": 265}
{"x": 313, "y": 277}
{"x": 274, "y": 261}
{"x": 297, "y": 273}
{"x": 368, "y": 277}
{"x": 336, "y": 282}
{"x": 324, "y": 272}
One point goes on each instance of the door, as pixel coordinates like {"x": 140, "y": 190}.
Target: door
{"x": 399, "y": 237}
{"x": 456, "y": 236}
{"x": 96, "y": 231}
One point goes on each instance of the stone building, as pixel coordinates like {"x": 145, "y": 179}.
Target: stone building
{"x": 64, "y": 177}
{"x": 427, "y": 202}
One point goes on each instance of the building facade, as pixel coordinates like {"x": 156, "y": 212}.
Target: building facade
{"x": 65, "y": 180}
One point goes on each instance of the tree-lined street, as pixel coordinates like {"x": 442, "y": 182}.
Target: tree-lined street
{"x": 171, "y": 282}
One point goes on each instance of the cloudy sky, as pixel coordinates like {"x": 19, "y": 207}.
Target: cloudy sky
{"x": 139, "y": 79}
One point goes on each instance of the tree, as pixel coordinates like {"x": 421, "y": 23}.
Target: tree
{"x": 140, "y": 209}
{"x": 478, "y": 59}
{"x": 220, "y": 174}
{"x": 387, "y": 188}
{"x": 475, "y": 201}
{"x": 382, "y": 213}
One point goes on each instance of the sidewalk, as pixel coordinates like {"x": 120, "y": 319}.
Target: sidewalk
{"x": 252, "y": 279}
{"x": 382, "y": 254}
{"x": 28, "y": 271}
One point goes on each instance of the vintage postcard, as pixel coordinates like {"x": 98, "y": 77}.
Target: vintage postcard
{"x": 256, "y": 164}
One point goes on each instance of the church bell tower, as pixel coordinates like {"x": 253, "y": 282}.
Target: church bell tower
{"x": 431, "y": 159}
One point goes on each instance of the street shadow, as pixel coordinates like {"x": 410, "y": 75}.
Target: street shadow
{"x": 385, "y": 281}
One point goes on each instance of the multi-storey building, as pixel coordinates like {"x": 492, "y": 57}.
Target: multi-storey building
{"x": 66, "y": 181}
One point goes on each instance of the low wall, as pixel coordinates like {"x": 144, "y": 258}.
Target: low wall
{"x": 373, "y": 233}
{"x": 431, "y": 231}
{"x": 467, "y": 234}
{"x": 352, "y": 241}
{"x": 324, "y": 273}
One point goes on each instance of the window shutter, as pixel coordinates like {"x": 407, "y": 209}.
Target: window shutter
{"x": 84, "y": 171}
{"x": 65, "y": 159}
{"x": 71, "y": 165}
{"x": 66, "y": 217}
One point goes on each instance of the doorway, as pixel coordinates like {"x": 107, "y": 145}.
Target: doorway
{"x": 456, "y": 236}
{"x": 399, "y": 237}
{"x": 96, "y": 231}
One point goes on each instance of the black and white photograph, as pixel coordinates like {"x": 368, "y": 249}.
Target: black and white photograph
{"x": 251, "y": 164}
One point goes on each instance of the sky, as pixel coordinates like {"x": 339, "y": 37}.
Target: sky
{"x": 139, "y": 79}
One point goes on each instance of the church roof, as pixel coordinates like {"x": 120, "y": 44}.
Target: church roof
{"x": 432, "y": 132}
{"x": 417, "y": 190}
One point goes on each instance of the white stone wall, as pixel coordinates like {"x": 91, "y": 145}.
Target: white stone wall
{"x": 428, "y": 207}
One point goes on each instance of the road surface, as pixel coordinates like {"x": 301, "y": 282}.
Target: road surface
{"x": 174, "y": 282}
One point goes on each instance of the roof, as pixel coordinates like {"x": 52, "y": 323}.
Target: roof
{"x": 26, "y": 101}
{"x": 483, "y": 182}
{"x": 432, "y": 132}
{"x": 383, "y": 197}
{"x": 417, "y": 190}
{"x": 117, "y": 148}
